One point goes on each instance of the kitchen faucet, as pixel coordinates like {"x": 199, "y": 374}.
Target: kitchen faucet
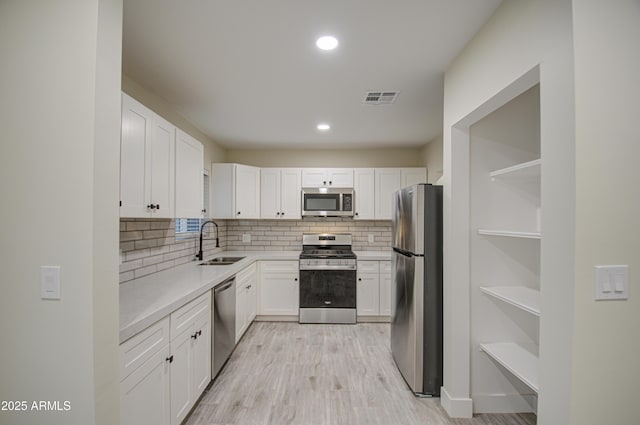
{"x": 200, "y": 253}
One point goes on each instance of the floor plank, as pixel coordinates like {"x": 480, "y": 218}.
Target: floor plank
{"x": 287, "y": 373}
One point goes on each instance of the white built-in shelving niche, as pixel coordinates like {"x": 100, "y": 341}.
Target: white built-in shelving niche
{"x": 516, "y": 359}
{"x": 522, "y": 297}
{"x": 506, "y": 168}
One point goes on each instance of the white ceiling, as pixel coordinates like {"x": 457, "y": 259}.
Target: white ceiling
{"x": 248, "y": 74}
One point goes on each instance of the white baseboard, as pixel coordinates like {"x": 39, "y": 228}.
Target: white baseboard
{"x": 373, "y": 319}
{"x": 261, "y": 318}
{"x": 505, "y": 403}
{"x": 456, "y": 407}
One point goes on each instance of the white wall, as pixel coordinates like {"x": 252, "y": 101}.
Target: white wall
{"x": 522, "y": 43}
{"x": 606, "y": 344}
{"x": 59, "y": 75}
{"x": 432, "y": 159}
{"x": 106, "y": 181}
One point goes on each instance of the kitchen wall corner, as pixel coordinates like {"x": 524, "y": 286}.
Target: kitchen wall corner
{"x": 150, "y": 246}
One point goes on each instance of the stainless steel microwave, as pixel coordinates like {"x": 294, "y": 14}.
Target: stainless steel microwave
{"x": 327, "y": 202}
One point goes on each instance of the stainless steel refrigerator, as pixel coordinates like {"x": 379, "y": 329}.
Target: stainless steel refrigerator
{"x": 416, "y": 295}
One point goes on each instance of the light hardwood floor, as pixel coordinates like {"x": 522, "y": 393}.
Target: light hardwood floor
{"x": 287, "y": 373}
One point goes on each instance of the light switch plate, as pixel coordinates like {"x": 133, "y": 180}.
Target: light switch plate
{"x": 611, "y": 283}
{"x": 246, "y": 237}
{"x": 50, "y": 282}
{"x": 371, "y": 238}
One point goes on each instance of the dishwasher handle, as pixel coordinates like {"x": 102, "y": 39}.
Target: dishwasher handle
{"x": 225, "y": 285}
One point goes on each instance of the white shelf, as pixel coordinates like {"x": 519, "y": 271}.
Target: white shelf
{"x": 529, "y": 169}
{"x": 510, "y": 233}
{"x": 521, "y": 297}
{"x": 520, "y": 362}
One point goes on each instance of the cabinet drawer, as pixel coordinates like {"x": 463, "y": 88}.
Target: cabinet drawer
{"x": 279, "y": 266}
{"x": 367, "y": 267}
{"x": 141, "y": 347}
{"x": 385, "y": 267}
{"x": 184, "y": 317}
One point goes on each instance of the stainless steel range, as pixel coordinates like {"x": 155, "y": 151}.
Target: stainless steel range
{"x": 327, "y": 279}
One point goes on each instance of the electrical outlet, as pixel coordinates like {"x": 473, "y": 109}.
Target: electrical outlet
{"x": 246, "y": 237}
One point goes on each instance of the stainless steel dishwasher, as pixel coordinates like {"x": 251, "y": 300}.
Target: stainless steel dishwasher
{"x": 224, "y": 323}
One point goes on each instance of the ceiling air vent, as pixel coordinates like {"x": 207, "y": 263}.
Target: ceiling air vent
{"x": 380, "y": 97}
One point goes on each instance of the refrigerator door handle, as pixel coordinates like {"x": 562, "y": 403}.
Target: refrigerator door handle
{"x": 406, "y": 253}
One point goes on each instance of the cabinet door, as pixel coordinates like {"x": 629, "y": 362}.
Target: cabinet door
{"x": 385, "y": 288}
{"x": 181, "y": 384}
{"x": 223, "y": 190}
{"x": 247, "y": 192}
{"x": 387, "y": 182}
{"x": 411, "y": 176}
{"x": 314, "y": 177}
{"x": 201, "y": 355}
{"x": 291, "y": 194}
{"x": 241, "y": 308}
{"x": 368, "y": 289}
{"x": 340, "y": 177}
{"x": 252, "y": 299}
{"x": 189, "y": 181}
{"x": 163, "y": 139}
{"x": 278, "y": 288}
{"x": 135, "y": 171}
{"x": 145, "y": 393}
{"x": 270, "y": 194}
{"x": 364, "y": 188}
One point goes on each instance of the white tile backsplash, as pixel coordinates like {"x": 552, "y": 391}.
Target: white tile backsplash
{"x": 150, "y": 245}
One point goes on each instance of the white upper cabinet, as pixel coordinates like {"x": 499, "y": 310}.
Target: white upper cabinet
{"x": 247, "y": 192}
{"x": 364, "y": 188}
{"x": 162, "y": 168}
{"x": 189, "y": 165}
{"x": 388, "y": 180}
{"x": 147, "y": 162}
{"x": 280, "y": 193}
{"x": 413, "y": 175}
{"x": 235, "y": 190}
{"x": 327, "y": 177}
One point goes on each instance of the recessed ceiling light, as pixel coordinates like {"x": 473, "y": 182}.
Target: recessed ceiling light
{"x": 323, "y": 127}
{"x": 327, "y": 42}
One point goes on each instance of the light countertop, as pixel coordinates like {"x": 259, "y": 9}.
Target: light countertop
{"x": 148, "y": 299}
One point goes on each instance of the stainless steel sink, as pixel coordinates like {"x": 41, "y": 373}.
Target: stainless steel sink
{"x": 221, "y": 261}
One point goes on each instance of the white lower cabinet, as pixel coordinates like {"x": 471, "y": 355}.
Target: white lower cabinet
{"x": 190, "y": 354}
{"x": 373, "y": 288}
{"x": 385, "y": 288}
{"x": 368, "y": 289}
{"x": 165, "y": 368}
{"x": 181, "y": 388}
{"x": 144, "y": 377}
{"x": 278, "y": 288}
{"x": 246, "y": 299}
